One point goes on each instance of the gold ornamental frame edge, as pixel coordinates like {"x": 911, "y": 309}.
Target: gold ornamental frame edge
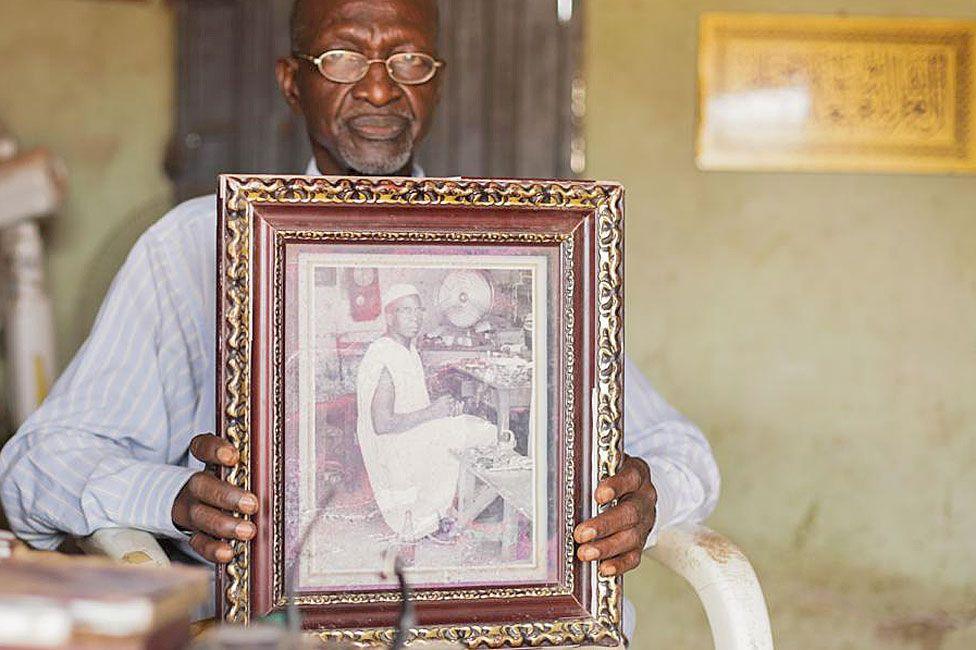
{"x": 238, "y": 193}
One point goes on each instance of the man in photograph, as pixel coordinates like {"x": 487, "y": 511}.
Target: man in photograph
{"x": 122, "y": 439}
{"x": 409, "y": 442}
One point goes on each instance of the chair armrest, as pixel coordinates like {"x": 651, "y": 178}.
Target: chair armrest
{"x": 725, "y": 582}
{"x": 126, "y": 545}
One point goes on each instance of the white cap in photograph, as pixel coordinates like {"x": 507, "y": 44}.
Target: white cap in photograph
{"x": 397, "y": 291}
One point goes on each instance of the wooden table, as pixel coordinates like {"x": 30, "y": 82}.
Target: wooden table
{"x": 480, "y": 486}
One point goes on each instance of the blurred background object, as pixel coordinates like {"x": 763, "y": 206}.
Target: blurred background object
{"x": 49, "y": 600}
{"x": 32, "y": 186}
{"x": 820, "y": 328}
{"x": 788, "y": 92}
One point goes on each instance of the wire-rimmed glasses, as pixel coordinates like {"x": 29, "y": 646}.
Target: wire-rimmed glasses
{"x": 348, "y": 67}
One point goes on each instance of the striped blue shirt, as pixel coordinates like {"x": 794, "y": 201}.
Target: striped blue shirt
{"x": 109, "y": 446}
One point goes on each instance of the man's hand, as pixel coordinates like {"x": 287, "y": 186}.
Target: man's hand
{"x": 617, "y": 536}
{"x": 204, "y": 503}
{"x": 445, "y": 406}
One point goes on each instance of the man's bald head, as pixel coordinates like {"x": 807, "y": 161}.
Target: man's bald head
{"x": 308, "y": 15}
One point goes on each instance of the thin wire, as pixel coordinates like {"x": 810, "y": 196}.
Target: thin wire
{"x": 405, "y": 616}
{"x": 293, "y": 616}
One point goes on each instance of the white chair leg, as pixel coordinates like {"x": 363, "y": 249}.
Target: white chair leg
{"x": 28, "y": 321}
{"x": 725, "y": 582}
{"x": 32, "y": 186}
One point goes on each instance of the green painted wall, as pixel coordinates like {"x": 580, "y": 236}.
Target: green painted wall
{"x": 93, "y": 81}
{"x": 820, "y": 329}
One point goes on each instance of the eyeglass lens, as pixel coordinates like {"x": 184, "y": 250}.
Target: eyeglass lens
{"x": 410, "y": 68}
{"x": 344, "y": 66}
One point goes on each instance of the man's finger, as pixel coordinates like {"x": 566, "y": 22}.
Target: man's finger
{"x": 219, "y": 524}
{"x": 221, "y": 494}
{"x": 625, "y": 514}
{"x": 627, "y": 480}
{"x": 621, "y": 563}
{"x": 212, "y": 549}
{"x": 212, "y": 450}
{"x": 617, "y": 544}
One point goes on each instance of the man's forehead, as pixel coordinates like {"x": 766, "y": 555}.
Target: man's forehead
{"x": 369, "y": 18}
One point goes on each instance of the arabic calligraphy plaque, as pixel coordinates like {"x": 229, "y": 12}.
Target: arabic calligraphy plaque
{"x": 812, "y": 93}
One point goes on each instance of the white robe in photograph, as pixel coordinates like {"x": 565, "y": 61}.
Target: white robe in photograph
{"x": 414, "y": 471}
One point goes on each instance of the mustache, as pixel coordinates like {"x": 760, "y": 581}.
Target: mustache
{"x": 384, "y": 114}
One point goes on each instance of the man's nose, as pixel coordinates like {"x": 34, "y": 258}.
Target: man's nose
{"x": 377, "y": 87}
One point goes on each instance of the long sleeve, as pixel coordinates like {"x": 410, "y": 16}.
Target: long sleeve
{"x": 109, "y": 445}
{"x": 683, "y": 469}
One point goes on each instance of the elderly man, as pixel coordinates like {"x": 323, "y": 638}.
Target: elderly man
{"x": 121, "y": 439}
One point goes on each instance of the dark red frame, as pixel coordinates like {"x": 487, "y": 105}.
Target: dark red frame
{"x": 269, "y": 219}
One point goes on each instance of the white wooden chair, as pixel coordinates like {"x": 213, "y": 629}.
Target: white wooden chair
{"x": 725, "y": 582}
{"x": 715, "y": 568}
{"x": 32, "y": 187}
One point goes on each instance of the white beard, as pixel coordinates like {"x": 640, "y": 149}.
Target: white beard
{"x": 376, "y": 165}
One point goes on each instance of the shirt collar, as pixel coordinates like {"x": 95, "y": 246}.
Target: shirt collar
{"x": 313, "y": 170}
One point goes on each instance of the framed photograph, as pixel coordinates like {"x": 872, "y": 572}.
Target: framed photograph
{"x": 423, "y": 374}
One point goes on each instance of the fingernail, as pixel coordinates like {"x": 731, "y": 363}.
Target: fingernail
{"x": 225, "y": 455}
{"x": 586, "y": 534}
{"x": 608, "y": 570}
{"x": 590, "y": 553}
{"x": 248, "y": 504}
{"x": 245, "y": 530}
{"x": 604, "y": 494}
{"x": 224, "y": 555}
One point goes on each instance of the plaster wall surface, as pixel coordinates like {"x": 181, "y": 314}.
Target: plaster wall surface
{"x": 94, "y": 82}
{"x": 819, "y": 328}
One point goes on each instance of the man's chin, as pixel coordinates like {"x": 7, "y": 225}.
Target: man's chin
{"x": 377, "y": 168}
{"x": 376, "y": 157}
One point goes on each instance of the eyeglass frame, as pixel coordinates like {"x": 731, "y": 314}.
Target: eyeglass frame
{"x": 317, "y": 62}
{"x": 405, "y": 310}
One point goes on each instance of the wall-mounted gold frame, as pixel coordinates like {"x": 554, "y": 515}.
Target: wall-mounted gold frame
{"x": 815, "y": 93}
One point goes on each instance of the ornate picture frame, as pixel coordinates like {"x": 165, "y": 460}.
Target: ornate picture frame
{"x": 518, "y": 287}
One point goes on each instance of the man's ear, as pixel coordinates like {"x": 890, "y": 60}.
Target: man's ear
{"x": 286, "y": 70}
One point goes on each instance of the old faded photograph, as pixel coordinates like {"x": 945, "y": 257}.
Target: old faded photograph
{"x": 418, "y": 419}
